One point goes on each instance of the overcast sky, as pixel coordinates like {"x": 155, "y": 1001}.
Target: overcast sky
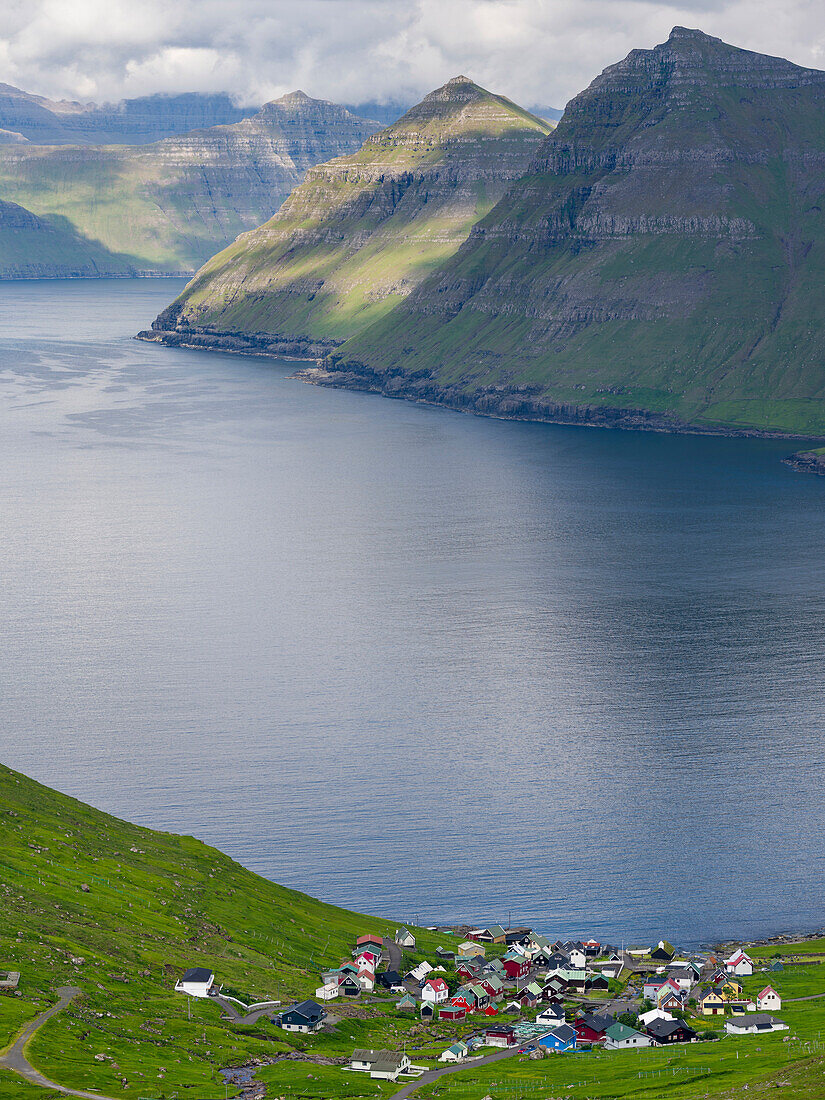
{"x": 535, "y": 51}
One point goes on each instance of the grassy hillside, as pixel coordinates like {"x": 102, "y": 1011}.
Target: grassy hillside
{"x": 660, "y": 265}
{"x": 157, "y": 904}
{"x": 31, "y": 248}
{"x": 168, "y": 206}
{"x": 365, "y": 229}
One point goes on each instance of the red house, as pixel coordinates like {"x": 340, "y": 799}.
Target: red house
{"x": 452, "y": 1011}
{"x": 516, "y": 968}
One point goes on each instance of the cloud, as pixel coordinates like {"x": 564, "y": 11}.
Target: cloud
{"x": 535, "y": 51}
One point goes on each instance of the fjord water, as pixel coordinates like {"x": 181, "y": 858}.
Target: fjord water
{"x": 422, "y": 664}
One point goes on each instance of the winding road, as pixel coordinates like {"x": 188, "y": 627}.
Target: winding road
{"x": 15, "y": 1057}
{"x": 434, "y": 1074}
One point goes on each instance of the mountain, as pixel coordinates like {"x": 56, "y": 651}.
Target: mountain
{"x": 167, "y": 206}
{"x": 31, "y": 248}
{"x": 362, "y": 231}
{"x": 660, "y": 264}
{"x": 132, "y": 121}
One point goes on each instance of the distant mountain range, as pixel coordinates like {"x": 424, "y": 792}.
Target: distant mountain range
{"x": 31, "y": 118}
{"x": 658, "y": 264}
{"x": 164, "y": 207}
{"x": 365, "y": 229}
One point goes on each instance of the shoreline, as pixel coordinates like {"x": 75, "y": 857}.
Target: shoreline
{"x": 515, "y": 403}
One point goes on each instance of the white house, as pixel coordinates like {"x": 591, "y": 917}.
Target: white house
{"x": 740, "y": 964}
{"x": 366, "y": 960}
{"x": 435, "y": 990}
{"x": 759, "y": 1024}
{"x": 196, "y": 982}
{"x": 654, "y": 1014}
{"x": 404, "y": 938}
{"x": 366, "y": 979}
{"x": 456, "y": 1053}
{"x": 327, "y": 992}
{"x": 768, "y": 1000}
{"x": 578, "y": 959}
{"x": 550, "y": 1017}
{"x": 421, "y": 971}
{"x": 384, "y": 1065}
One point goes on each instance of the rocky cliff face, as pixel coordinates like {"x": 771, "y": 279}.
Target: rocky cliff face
{"x": 168, "y": 206}
{"x": 661, "y": 261}
{"x": 363, "y": 230}
{"x": 132, "y": 121}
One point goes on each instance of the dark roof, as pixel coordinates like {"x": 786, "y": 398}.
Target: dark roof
{"x": 564, "y": 1032}
{"x": 597, "y": 1022}
{"x": 197, "y": 974}
{"x": 660, "y": 1029}
{"x": 310, "y": 1010}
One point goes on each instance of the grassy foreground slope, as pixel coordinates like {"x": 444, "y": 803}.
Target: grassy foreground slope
{"x": 365, "y": 229}
{"x": 157, "y": 903}
{"x": 166, "y": 207}
{"x": 660, "y": 265}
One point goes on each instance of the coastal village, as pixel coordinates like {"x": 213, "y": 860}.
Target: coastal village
{"x": 517, "y": 990}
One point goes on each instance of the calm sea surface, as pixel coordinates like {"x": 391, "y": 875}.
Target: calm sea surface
{"x": 428, "y": 665}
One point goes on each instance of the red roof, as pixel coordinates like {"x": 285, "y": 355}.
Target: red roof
{"x": 436, "y": 983}
{"x": 490, "y": 1011}
{"x": 768, "y": 989}
{"x": 370, "y": 939}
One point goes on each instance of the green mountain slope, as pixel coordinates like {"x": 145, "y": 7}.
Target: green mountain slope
{"x": 363, "y": 230}
{"x": 168, "y": 206}
{"x": 660, "y": 265}
{"x": 32, "y": 248}
{"x": 156, "y": 904}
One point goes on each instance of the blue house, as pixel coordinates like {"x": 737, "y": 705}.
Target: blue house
{"x": 560, "y": 1039}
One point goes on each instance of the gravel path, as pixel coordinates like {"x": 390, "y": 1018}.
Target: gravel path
{"x": 434, "y": 1074}
{"x": 15, "y": 1058}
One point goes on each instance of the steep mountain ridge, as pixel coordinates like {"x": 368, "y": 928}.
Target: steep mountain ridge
{"x": 168, "y": 206}
{"x": 362, "y": 231}
{"x": 659, "y": 265}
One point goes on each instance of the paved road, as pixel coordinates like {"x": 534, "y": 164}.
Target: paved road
{"x": 15, "y": 1058}
{"x": 434, "y": 1074}
{"x": 251, "y": 1017}
{"x": 813, "y": 997}
{"x": 394, "y": 952}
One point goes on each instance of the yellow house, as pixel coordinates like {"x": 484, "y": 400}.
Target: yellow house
{"x": 711, "y": 1003}
{"x": 732, "y": 990}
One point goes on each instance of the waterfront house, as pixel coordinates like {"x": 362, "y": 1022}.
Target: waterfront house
{"x": 560, "y": 1039}
{"x": 494, "y": 934}
{"x": 540, "y": 943}
{"x": 456, "y": 1053}
{"x": 306, "y": 1017}
{"x": 196, "y": 982}
{"x": 768, "y": 1000}
{"x": 757, "y": 1024}
{"x": 435, "y": 990}
{"x": 670, "y": 1031}
{"x": 622, "y": 1037}
{"x": 740, "y": 964}
{"x": 663, "y": 951}
{"x": 404, "y": 938}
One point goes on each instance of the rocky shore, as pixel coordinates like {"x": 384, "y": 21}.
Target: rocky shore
{"x": 806, "y": 462}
